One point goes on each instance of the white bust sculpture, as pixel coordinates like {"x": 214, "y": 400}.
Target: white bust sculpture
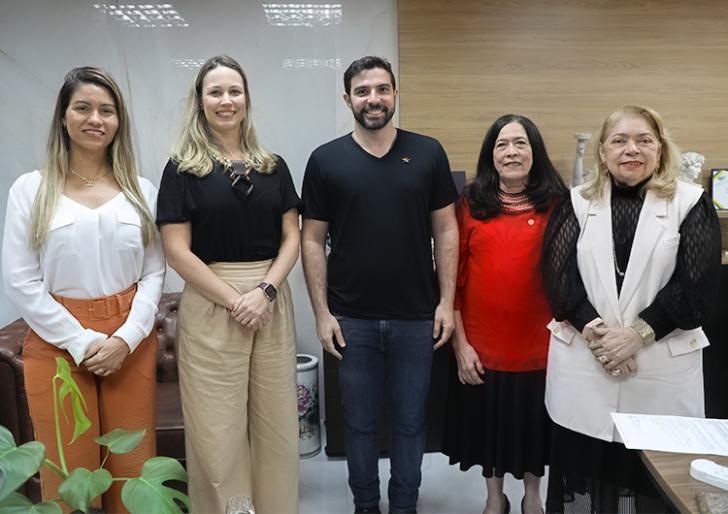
{"x": 691, "y": 165}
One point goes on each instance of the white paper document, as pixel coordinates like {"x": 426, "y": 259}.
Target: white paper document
{"x": 673, "y": 433}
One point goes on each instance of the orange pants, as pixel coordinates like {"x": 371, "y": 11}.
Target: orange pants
{"x": 125, "y": 399}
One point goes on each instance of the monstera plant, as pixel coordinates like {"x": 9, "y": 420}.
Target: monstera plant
{"x": 143, "y": 494}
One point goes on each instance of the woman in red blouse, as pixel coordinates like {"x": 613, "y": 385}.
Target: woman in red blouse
{"x": 496, "y": 416}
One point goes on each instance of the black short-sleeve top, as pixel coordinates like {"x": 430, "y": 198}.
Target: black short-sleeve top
{"x": 379, "y": 215}
{"x": 227, "y": 225}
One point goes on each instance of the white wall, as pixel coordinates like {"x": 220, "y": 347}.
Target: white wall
{"x": 295, "y": 108}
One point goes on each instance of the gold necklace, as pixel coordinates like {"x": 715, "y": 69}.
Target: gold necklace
{"x": 90, "y": 182}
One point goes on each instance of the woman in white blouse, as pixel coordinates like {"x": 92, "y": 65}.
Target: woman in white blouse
{"x": 83, "y": 264}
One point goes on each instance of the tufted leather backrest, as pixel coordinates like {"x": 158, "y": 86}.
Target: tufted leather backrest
{"x": 166, "y": 326}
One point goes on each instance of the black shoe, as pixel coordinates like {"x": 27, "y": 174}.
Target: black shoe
{"x": 367, "y": 510}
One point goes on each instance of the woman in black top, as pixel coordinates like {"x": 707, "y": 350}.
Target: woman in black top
{"x": 228, "y": 215}
{"x": 631, "y": 262}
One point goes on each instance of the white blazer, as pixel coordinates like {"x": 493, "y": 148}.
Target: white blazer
{"x": 669, "y": 377}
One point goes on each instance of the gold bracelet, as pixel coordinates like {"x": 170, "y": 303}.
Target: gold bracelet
{"x": 644, "y": 330}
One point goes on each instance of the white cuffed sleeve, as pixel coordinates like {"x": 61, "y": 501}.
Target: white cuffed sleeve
{"x": 23, "y": 277}
{"x": 149, "y": 287}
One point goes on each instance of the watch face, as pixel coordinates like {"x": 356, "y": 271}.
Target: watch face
{"x": 270, "y": 291}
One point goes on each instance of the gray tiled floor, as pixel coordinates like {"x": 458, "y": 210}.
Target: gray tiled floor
{"x": 445, "y": 489}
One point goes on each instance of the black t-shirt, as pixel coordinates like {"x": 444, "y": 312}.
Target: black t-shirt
{"x": 228, "y": 226}
{"x": 378, "y": 210}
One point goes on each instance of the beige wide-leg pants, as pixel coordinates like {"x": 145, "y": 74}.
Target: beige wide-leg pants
{"x": 239, "y": 399}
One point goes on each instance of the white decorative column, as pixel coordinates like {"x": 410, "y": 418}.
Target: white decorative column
{"x": 577, "y": 177}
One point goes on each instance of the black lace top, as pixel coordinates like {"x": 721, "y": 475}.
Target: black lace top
{"x": 685, "y": 300}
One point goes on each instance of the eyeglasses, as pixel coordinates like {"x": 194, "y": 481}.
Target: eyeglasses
{"x": 241, "y": 170}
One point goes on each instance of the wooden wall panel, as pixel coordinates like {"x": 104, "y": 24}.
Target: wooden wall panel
{"x": 566, "y": 64}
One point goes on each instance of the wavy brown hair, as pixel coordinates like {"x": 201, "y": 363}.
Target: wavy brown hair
{"x": 197, "y": 151}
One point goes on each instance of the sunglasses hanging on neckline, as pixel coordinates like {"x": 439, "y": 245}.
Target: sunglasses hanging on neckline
{"x": 241, "y": 170}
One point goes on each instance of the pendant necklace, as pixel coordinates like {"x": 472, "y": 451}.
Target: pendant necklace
{"x": 90, "y": 182}
{"x": 616, "y": 265}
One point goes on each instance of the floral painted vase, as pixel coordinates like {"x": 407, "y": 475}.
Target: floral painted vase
{"x": 309, "y": 430}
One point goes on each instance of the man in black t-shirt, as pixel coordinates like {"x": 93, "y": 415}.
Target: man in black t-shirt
{"x": 381, "y": 307}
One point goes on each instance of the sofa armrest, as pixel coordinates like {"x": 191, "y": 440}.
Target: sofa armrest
{"x": 14, "y": 414}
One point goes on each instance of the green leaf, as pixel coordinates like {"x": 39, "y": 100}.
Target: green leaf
{"x": 81, "y": 423}
{"x": 121, "y": 441}
{"x": 16, "y": 503}
{"x": 49, "y": 507}
{"x": 148, "y": 494}
{"x": 17, "y": 463}
{"x": 83, "y": 485}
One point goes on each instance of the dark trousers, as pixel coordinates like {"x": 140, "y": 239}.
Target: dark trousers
{"x": 385, "y": 360}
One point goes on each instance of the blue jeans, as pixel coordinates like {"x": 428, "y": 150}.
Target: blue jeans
{"x": 388, "y": 359}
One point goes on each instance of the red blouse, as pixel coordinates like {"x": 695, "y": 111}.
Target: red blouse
{"x": 500, "y": 292}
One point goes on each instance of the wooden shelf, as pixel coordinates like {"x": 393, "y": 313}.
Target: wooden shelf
{"x": 722, "y": 213}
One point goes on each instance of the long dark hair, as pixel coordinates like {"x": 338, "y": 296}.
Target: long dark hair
{"x": 544, "y": 182}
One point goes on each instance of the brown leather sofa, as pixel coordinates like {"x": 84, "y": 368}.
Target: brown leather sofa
{"x": 14, "y": 406}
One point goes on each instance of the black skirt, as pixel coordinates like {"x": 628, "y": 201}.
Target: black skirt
{"x": 501, "y": 425}
{"x": 591, "y": 475}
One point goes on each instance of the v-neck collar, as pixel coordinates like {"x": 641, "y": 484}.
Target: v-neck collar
{"x": 97, "y": 208}
{"x": 362, "y": 149}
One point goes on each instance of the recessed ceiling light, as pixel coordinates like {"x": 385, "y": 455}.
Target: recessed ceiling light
{"x": 303, "y": 15}
{"x": 188, "y": 63}
{"x": 144, "y": 15}
{"x": 298, "y": 64}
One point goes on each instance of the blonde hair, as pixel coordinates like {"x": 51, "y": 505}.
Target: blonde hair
{"x": 197, "y": 151}
{"x": 58, "y": 152}
{"x": 663, "y": 181}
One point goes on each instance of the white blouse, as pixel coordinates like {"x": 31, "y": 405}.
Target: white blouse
{"x": 88, "y": 253}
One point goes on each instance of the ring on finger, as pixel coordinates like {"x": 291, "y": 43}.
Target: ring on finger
{"x": 595, "y": 345}
{"x": 603, "y": 359}
{"x": 616, "y": 372}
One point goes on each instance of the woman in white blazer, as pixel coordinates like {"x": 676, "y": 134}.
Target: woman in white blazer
{"x": 631, "y": 262}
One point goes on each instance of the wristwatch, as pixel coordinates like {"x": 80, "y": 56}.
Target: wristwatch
{"x": 269, "y": 290}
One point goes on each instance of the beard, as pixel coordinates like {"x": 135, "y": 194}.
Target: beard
{"x": 376, "y": 124}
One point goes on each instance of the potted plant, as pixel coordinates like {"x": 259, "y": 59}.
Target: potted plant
{"x": 143, "y": 494}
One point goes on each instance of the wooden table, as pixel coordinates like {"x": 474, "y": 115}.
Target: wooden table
{"x": 672, "y": 473}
